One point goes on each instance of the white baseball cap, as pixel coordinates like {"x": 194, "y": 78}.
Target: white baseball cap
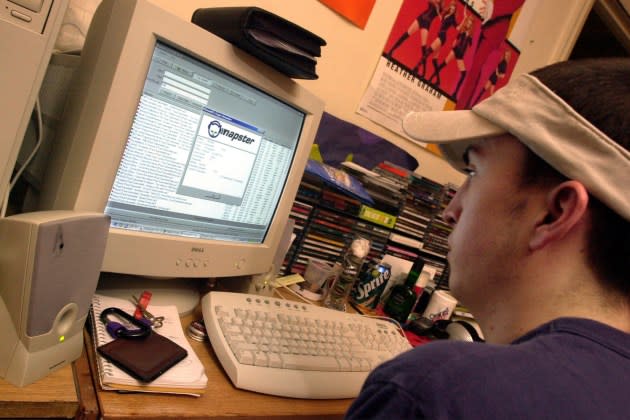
{"x": 547, "y": 125}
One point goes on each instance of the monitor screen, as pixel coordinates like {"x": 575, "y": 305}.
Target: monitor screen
{"x": 207, "y": 156}
{"x": 193, "y": 147}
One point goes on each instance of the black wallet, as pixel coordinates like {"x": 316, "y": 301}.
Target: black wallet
{"x": 143, "y": 358}
{"x": 283, "y": 45}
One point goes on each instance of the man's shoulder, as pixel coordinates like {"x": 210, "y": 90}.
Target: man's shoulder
{"x": 418, "y": 380}
{"x": 540, "y": 351}
{"x": 444, "y": 359}
{"x": 568, "y": 368}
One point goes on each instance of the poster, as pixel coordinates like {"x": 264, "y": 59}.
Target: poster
{"x": 339, "y": 141}
{"x": 442, "y": 55}
{"x": 356, "y": 11}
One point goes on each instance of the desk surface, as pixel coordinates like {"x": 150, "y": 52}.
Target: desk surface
{"x": 53, "y": 396}
{"x": 221, "y": 399}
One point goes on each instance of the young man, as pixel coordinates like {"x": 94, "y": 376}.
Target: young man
{"x": 539, "y": 252}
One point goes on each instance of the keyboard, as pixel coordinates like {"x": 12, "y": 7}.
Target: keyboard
{"x": 294, "y": 349}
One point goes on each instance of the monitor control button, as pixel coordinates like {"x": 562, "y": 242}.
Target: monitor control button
{"x": 20, "y": 16}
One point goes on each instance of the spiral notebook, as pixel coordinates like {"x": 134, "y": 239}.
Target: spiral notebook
{"x": 186, "y": 377}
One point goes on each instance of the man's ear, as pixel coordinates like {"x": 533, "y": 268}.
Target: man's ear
{"x": 565, "y": 207}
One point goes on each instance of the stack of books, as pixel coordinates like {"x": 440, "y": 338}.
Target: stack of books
{"x": 436, "y": 236}
{"x": 386, "y": 187}
{"x": 334, "y": 199}
{"x": 403, "y": 220}
{"x": 327, "y": 237}
{"x": 394, "y": 174}
{"x": 421, "y": 204}
{"x": 301, "y": 214}
{"x": 340, "y": 202}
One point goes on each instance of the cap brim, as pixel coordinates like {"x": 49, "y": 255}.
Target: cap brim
{"x": 547, "y": 125}
{"x": 453, "y": 131}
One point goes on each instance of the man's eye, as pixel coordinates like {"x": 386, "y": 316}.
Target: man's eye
{"x": 470, "y": 171}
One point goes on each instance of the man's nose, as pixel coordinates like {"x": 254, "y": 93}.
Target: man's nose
{"x": 452, "y": 211}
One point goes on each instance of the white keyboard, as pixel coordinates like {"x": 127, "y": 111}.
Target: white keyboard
{"x": 294, "y": 349}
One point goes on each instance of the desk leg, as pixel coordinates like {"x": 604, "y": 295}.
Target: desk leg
{"x": 88, "y": 403}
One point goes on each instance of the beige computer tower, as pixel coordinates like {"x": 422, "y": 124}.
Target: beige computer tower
{"x": 28, "y": 30}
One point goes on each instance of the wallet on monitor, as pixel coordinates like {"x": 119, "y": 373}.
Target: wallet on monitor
{"x": 143, "y": 358}
{"x": 278, "y": 42}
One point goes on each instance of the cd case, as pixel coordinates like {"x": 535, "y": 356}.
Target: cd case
{"x": 145, "y": 358}
{"x": 339, "y": 179}
{"x": 282, "y": 44}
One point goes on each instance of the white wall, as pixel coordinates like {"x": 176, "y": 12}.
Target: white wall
{"x": 350, "y": 56}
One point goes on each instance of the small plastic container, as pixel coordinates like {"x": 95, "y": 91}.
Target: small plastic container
{"x": 197, "y": 330}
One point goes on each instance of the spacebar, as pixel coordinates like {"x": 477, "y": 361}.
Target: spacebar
{"x": 298, "y": 362}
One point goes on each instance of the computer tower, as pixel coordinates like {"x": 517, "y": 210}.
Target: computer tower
{"x": 50, "y": 263}
{"x": 28, "y": 30}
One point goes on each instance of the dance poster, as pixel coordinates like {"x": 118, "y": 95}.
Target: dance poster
{"x": 443, "y": 55}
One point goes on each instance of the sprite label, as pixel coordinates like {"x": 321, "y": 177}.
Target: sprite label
{"x": 369, "y": 286}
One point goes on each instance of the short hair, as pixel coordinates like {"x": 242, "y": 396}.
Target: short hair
{"x": 599, "y": 90}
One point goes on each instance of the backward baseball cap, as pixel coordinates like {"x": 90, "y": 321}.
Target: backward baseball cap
{"x": 547, "y": 125}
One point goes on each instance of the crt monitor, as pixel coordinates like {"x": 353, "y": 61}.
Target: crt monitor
{"x": 194, "y": 148}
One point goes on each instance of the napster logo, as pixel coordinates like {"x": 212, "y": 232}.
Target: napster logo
{"x": 214, "y": 129}
{"x": 230, "y": 132}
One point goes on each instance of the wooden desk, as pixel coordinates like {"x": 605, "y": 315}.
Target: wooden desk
{"x": 52, "y": 396}
{"x": 221, "y": 399}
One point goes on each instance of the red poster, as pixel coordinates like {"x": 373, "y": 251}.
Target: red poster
{"x": 445, "y": 44}
{"x": 442, "y": 55}
{"x": 356, "y": 11}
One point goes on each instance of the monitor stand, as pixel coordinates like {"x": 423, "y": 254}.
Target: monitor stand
{"x": 183, "y": 293}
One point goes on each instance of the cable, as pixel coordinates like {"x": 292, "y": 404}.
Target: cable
{"x": 40, "y": 139}
{"x": 386, "y": 318}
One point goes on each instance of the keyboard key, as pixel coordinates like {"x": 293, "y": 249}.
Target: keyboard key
{"x": 301, "y": 362}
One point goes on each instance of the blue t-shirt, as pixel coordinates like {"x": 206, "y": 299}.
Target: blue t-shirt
{"x": 569, "y": 368}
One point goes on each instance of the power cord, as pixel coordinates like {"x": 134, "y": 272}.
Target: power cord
{"x": 386, "y": 318}
{"x": 40, "y": 139}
